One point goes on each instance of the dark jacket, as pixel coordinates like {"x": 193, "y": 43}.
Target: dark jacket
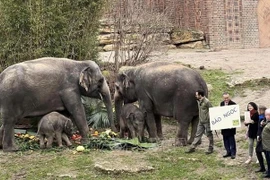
{"x": 253, "y": 128}
{"x": 260, "y": 127}
{"x": 231, "y": 131}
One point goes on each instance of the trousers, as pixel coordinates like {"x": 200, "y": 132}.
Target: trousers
{"x": 203, "y": 128}
{"x": 229, "y": 144}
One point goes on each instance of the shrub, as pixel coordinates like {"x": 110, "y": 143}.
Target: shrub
{"x": 57, "y": 28}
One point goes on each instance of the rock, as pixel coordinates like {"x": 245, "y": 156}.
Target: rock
{"x": 171, "y": 46}
{"x": 231, "y": 85}
{"x": 162, "y": 37}
{"x": 106, "y": 29}
{"x": 192, "y": 45}
{"x": 106, "y": 39}
{"x": 68, "y": 175}
{"x": 183, "y": 36}
{"x": 109, "y": 47}
{"x": 210, "y": 87}
{"x": 201, "y": 67}
{"x": 110, "y": 169}
{"x": 106, "y": 21}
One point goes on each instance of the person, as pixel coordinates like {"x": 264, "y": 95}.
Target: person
{"x": 266, "y": 141}
{"x": 259, "y": 148}
{"x": 204, "y": 123}
{"x": 228, "y": 134}
{"x": 252, "y": 128}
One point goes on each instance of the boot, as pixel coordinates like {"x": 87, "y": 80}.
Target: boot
{"x": 210, "y": 151}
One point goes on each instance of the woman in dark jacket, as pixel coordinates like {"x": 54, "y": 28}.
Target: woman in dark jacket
{"x": 252, "y": 128}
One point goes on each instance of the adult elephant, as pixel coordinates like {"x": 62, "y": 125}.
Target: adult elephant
{"x": 40, "y": 86}
{"x": 162, "y": 89}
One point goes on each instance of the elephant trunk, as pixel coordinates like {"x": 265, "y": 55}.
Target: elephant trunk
{"x": 118, "y": 100}
{"x": 106, "y": 96}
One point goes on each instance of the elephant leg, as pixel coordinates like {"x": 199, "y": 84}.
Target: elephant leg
{"x": 181, "y": 138}
{"x": 152, "y": 128}
{"x": 49, "y": 140}
{"x": 66, "y": 139}
{"x": 8, "y": 135}
{"x": 1, "y": 136}
{"x": 72, "y": 102}
{"x": 131, "y": 131}
{"x": 194, "y": 125}
{"x": 159, "y": 126}
{"x": 122, "y": 128}
{"x": 59, "y": 138}
{"x": 42, "y": 141}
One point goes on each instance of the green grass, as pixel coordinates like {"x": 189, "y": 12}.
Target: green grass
{"x": 218, "y": 79}
{"x": 168, "y": 164}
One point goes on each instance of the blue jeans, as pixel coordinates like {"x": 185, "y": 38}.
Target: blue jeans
{"x": 267, "y": 157}
{"x": 230, "y": 145}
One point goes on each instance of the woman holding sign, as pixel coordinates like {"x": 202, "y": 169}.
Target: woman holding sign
{"x": 252, "y": 123}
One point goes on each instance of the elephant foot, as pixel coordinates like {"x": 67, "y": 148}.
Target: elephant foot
{"x": 180, "y": 142}
{"x": 152, "y": 140}
{"x": 160, "y": 137}
{"x": 42, "y": 146}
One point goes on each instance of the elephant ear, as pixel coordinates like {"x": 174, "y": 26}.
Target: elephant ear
{"x": 85, "y": 79}
{"x": 131, "y": 117}
{"x": 125, "y": 80}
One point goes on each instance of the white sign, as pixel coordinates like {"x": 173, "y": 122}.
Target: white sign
{"x": 247, "y": 117}
{"x": 224, "y": 117}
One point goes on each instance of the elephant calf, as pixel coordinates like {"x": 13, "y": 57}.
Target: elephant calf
{"x": 132, "y": 120}
{"x": 54, "y": 125}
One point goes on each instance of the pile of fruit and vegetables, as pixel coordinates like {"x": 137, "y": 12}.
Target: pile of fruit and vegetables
{"x": 106, "y": 139}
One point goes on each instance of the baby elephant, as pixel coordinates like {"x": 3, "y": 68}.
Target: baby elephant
{"x": 132, "y": 120}
{"x": 53, "y": 125}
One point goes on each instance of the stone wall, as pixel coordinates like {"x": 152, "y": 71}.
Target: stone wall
{"x": 172, "y": 38}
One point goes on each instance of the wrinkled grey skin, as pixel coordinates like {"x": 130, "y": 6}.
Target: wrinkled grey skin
{"x": 162, "y": 89}
{"x": 132, "y": 120}
{"x": 38, "y": 87}
{"x": 54, "y": 125}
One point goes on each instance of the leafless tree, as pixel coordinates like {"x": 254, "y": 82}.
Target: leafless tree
{"x": 139, "y": 29}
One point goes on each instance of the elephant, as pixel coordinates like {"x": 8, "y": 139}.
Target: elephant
{"x": 54, "y": 125}
{"x": 132, "y": 120}
{"x": 38, "y": 87}
{"x": 162, "y": 89}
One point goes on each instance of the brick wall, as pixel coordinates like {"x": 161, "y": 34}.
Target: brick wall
{"x": 226, "y": 23}
{"x": 250, "y": 24}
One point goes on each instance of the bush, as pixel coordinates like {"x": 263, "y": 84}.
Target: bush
{"x": 57, "y": 28}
